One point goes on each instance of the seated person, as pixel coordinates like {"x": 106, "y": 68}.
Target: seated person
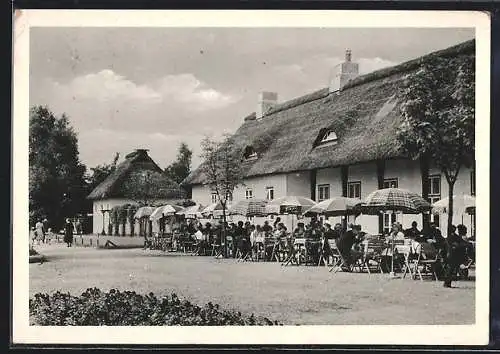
{"x": 396, "y": 234}
{"x": 299, "y": 231}
{"x": 413, "y": 232}
{"x": 345, "y": 245}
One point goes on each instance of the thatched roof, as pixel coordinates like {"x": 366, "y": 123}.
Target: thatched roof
{"x": 139, "y": 160}
{"x": 364, "y": 115}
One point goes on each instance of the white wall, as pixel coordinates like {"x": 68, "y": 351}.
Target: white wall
{"x": 409, "y": 177}
{"x": 406, "y": 171}
{"x": 299, "y": 184}
{"x": 367, "y": 174}
{"x": 462, "y": 187}
{"x": 107, "y": 204}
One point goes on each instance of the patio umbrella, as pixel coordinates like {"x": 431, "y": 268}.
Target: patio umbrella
{"x": 161, "y": 211}
{"x": 143, "y": 212}
{"x": 461, "y": 204}
{"x": 191, "y": 212}
{"x": 249, "y": 207}
{"x": 395, "y": 200}
{"x": 214, "y": 209}
{"x": 294, "y": 205}
{"x": 337, "y": 206}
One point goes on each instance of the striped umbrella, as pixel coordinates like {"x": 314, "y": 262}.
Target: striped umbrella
{"x": 143, "y": 212}
{"x": 164, "y": 210}
{"x": 394, "y": 199}
{"x": 249, "y": 207}
{"x": 337, "y": 206}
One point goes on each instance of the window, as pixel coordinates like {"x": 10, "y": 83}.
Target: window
{"x": 323, "y": 192}
{"x": 473, "y": 182}
{"x": 434, "y": 194}
{"x": 214, "y": 198}
{"x": 270, "y": 193}
{"x": 391, "y": 183}
{"x": 329, "y": 136}
{"x": 229, "y": 197}
{"x": 326, "y": 137}
{"x": 248, "y": 194}
{"x": 354, "y": 190}
{"x": 389, "y": 219}
{"x": 250, "y": 153}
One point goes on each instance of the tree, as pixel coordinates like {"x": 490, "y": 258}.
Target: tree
{"x": 221, "y": 168}
{"x": 146, "y": 187}
{"x": 438, "y": 117}
{"x": 180, "y": 168}
{"x": 101, "y": 172}
{"x": 57, "y": 187}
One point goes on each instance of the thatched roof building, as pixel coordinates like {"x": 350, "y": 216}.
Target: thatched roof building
{"x": 364, "y": 115}
{"x": 139, "y": 160}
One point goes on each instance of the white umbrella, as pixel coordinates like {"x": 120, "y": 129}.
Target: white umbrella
{"x": 143, "y": 212}
{"x": 164, "y": 210}
{"x": 192, "y": 211}
{"x": 460, "y": 204}
{"x": 336, "y": 206}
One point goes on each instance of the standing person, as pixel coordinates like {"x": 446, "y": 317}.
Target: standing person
{"x": 455, "y": 254}
{"x": 68, "y": 233}
{"x": 39, "y": 231}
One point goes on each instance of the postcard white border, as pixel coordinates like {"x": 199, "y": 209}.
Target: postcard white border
{"x": 477, "y": 334}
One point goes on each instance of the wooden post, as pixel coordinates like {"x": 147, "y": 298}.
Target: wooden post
{"x": 424, "y": 172}
{"x": 344, "y": 176}
{"x": 313, "y": 184}
{"x": 380, "y": 185}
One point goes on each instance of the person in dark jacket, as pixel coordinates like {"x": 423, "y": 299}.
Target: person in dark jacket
{"x": 455, "y": 254}
{"x": 68, "y": 233}
{"x": 345, "y": 243}
{"x": 413, "y": 232}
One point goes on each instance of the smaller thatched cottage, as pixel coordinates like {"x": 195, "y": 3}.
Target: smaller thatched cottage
{"x": 114, "y": 190}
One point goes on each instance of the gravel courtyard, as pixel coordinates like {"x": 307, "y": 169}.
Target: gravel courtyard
{"x": 291, "y": 295}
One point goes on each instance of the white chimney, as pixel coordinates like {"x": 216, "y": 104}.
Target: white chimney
{"x": 266, "y": 100}
{"x": 344, "y": 73}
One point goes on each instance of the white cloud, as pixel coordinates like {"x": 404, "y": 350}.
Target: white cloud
{"x": 106, "y": 85}
{"x": 368, "y": 65}
{"x": 186, "y": 88}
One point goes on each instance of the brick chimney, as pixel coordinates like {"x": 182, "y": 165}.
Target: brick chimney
{"x": 266, "y": 100}
{"x": 344, "y": 72}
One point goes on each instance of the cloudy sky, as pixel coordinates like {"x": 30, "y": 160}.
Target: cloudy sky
{"x": 156, "y": 87}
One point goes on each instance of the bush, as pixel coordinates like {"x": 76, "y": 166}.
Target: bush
{"x": 114, "y": 308}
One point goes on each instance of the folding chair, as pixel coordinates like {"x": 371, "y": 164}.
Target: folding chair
{"x": 426, "y": 261}
{"x": 242, "y": 256}
{"x": 373, "y": 252}
{"x": 338, "y": 259}
{"x": 291, "y": 255}
{"x": 259, "y": 249}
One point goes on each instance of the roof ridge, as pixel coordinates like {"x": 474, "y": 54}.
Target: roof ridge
{"x": 362, "y": 79}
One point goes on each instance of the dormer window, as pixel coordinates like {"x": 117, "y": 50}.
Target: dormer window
{"x": 329, "y": 137}
{"x": 250, "y": 153}
{"x": 326, "y": 137}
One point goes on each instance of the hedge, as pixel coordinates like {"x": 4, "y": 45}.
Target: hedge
{"x": 114, "y": 308}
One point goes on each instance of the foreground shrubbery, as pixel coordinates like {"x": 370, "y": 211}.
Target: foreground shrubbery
{"x": 114, "y": 308}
